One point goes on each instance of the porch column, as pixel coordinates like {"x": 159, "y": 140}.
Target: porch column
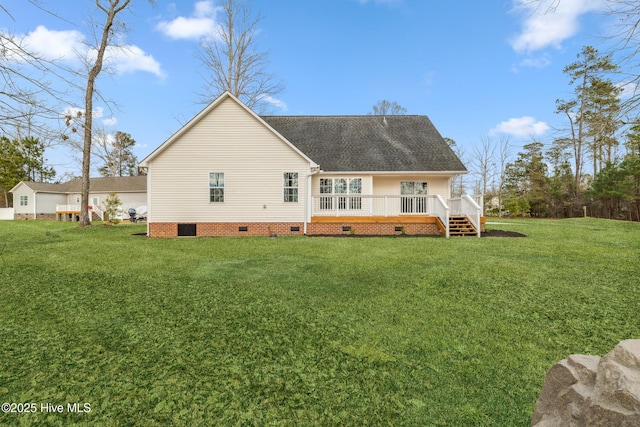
{"x": 35, "y": 202}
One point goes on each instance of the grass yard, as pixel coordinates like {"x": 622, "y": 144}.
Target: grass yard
{"x": 304, "y": 331}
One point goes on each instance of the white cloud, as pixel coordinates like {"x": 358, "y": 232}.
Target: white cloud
{"x": 106, "y": 140}
{"x": 110, "y": 122}
{"x": 521, "y": 126}
{"x": 130, "y": 58}
{"x": 77, "y": 113}
{"x": 73, "y": 112}
{"x": 70, "y": 46}
{"x": 275, "y": 102}
{"x": 201, "y": 24}
{"x": 550, "y": 22}
{"x": 54, "y": 45}
{"x": 627, "y": 90}
{"x": 534, "y": 62}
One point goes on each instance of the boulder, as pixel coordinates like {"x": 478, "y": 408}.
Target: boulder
{"x": 592, "y": 391}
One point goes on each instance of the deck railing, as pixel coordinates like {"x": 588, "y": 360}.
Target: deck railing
{"x": 468, "y": 206}
{"x": 67, "y": 208}
{"x": 76, "y": 208}
{"x": 380, "y": 205}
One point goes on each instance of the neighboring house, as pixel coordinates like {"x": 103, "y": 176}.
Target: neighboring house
{"x": 37, "y": 200}
{"x": 231, "y": 172}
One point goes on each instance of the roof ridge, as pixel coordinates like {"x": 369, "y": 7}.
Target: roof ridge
{"x": 347, "y": 115}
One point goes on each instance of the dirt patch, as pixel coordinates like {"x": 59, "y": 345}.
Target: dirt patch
{"x": 502, "y": 233}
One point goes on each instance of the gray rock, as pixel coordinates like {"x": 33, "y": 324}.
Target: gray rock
{"x": 586, "y": 390}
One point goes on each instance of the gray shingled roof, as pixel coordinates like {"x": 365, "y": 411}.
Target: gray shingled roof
{"x": 44, "y": 187}
{"x": 369, "y": 143}
{"x": 98, "y": 185}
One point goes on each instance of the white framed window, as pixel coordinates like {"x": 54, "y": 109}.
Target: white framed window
{"x": 78, "y": 200}
{"x": 290, "y": 186}
{"x": 326, "y": 187}
{"x": 24, "y": 200}
{"x": 216, "y": 187}
{"x": 413, "y": 198}
{"x": 355, "y": 187}
{"x": 343, "y": 190}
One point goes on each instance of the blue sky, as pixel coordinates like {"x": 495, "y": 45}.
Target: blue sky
{"x": 478, "y": 69}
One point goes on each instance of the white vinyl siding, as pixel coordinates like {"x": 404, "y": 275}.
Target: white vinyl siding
{"x": 392, "y": 184}
{"x": 253, "y": 159}
{"x": 47, "y": 202}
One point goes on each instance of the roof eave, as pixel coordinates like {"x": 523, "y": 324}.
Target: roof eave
{"x": 443, "y": 173}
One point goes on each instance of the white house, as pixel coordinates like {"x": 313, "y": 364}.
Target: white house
{"x": 37, "y": 200}
{"x": 229, "y": 171}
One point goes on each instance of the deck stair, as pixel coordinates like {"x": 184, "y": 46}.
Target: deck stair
{"x": 460, "y": 225}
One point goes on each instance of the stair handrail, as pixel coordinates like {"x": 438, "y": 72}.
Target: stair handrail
{"x": 471, "y": 210}
{"x": 441, "y": 209}
{"x": 98, "y": 211}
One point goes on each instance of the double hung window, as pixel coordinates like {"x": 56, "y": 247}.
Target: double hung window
{"x": 216, "y": 187}
{"x": 290, "y": 187}
{"x": 24, "y": 200}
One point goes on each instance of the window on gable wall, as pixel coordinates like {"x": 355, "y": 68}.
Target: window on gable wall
{"x": 216, "y": 187}
{"x": 24, "y": 200}
{"x": 290, "y": 187}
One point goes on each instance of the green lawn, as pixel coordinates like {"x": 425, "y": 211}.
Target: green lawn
{"x": 305, "y": 331}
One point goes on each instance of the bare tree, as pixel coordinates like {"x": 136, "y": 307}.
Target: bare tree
{"x": 457, "y": 188}
{"x": 27, "y": 91}
{"x": 387, "y": 108}
{"x": 233, "y": 62}
{"x": 483, "y": 165}
{"x": 110, "y": 8}
{"x": 116, "y": 153}
{"x": 27, "y": 97}
{"x": 626, "y": 14}
{"x": 504, "y": 154}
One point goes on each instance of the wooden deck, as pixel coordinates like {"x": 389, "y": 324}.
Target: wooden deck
{"x": 399, "y": 219}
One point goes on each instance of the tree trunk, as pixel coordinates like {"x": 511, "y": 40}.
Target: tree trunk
{"x": 113, "y": 10}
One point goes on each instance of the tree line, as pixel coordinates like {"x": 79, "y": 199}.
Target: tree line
{"x": 591, "y": 167}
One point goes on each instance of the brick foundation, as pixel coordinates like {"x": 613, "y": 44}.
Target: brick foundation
{"x": 219, "y": 229}
{"x": 43, "y": 216}
{"x": 55, "y": 216}
{"x": 373, "y": 229}
{"x": 163, "y": 229}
